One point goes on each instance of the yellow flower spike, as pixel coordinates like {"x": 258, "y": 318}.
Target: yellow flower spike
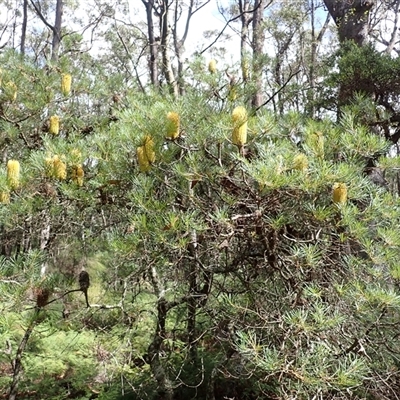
{"x": 4, "y": 197}
{"x": 66, "y": 80}
{"x": 239, "y": 119}
{"x": 148, "y": 145}
{"x": 144, "y": 164}
{"x": 78, "y": 174}
{"x": 54, "y": 125}
{"x": 173, "y": 123}
{"x": 212, "y": 66}
{"x": 11, "y": 91}
{"x": 300, "y": 162}
{"x": 339, "y": 193}
{"x": 59, "y": 168}
{"x": 13, "y": 170}
{"x": 49, "y": 166}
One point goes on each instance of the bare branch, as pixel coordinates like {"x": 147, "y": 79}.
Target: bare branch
{"x": 43, "y": 19}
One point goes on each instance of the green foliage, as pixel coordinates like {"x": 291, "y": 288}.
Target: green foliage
{"x": 367, "y": 70}
{"x": 212, "y": 271}
{"x": 364, "y": 78}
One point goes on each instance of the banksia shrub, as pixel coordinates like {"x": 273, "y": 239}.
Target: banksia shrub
{"x": 4, "y": 197}
{"x": 212, "y": 66}
{"x": 54, "y": 125}
{"x": 339, "y": 193}
{"x": 173, "y": 123}
{"x": 66, "y": 80}
{"x": 144, "y": 164}
{"x": 239, "y": 119}
{"x": 300, "y": 162}
{"x": 13, "y": 174}
{"x": 78, "y": 174}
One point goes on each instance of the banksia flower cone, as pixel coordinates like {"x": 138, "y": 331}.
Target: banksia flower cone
{"x": 84, "y": 283}
{"x": 54, "y": 125}
{"x": 239, "y": 119}
{"x": 144, "y": 164}
{"x": 173, "y": 123}
{"x": 42, "y": 296}
{"x": 13, "y": 174}
{"x": 11, "y": 91}
{"x": 148, "y": 146}
{"x": 300, "y": 162}
{"x": 212, "y": 66}
{"x": 56, "y": 168}
{"x": 4, "y": 197}
{"x": 78, "y": 174}
{"x": 60, "y": 168}
{"x": 339, "y": 193}
{"x": 66, "y": 84}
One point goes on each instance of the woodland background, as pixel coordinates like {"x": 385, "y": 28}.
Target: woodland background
{"x": 221, "y": 266}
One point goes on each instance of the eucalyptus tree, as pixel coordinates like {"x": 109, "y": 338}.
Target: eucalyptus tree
{"x": 167, "y": 46}
{"x": 282, "y": 43}
{"x": 183, "y": 12}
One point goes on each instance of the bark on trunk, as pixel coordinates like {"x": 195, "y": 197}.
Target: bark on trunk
{"x": 24, "y": 26}
{"x": 17, "y": 364}
{"x": 165, "y": 390}
{"x": 257, "y": 44}
{"x": 245, "y": 19}
{"x": 315, "y": 41}
{"x": 351, "y": 18}
{"x": 165, "y": 41}
{"x": 55, "y": 46}
{"x": 153, "y": 43}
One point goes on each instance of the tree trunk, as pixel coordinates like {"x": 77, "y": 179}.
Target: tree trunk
{"x": 178, "y": 44}
{"x": 165, "y": 40}
{"x": 311, "y": 98}
{"x": 24, "y": 25}
{"x": 351, "y": 18}
{"x": 257, "y": 45}
{"x": 165, "y": 390}
{"x": 315, "y": 42}
{"x": 153, "y": 43}
{"x": 245, "y": 19}
{"x": 55, "y": 46}
{"x": 17, "y": 363}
